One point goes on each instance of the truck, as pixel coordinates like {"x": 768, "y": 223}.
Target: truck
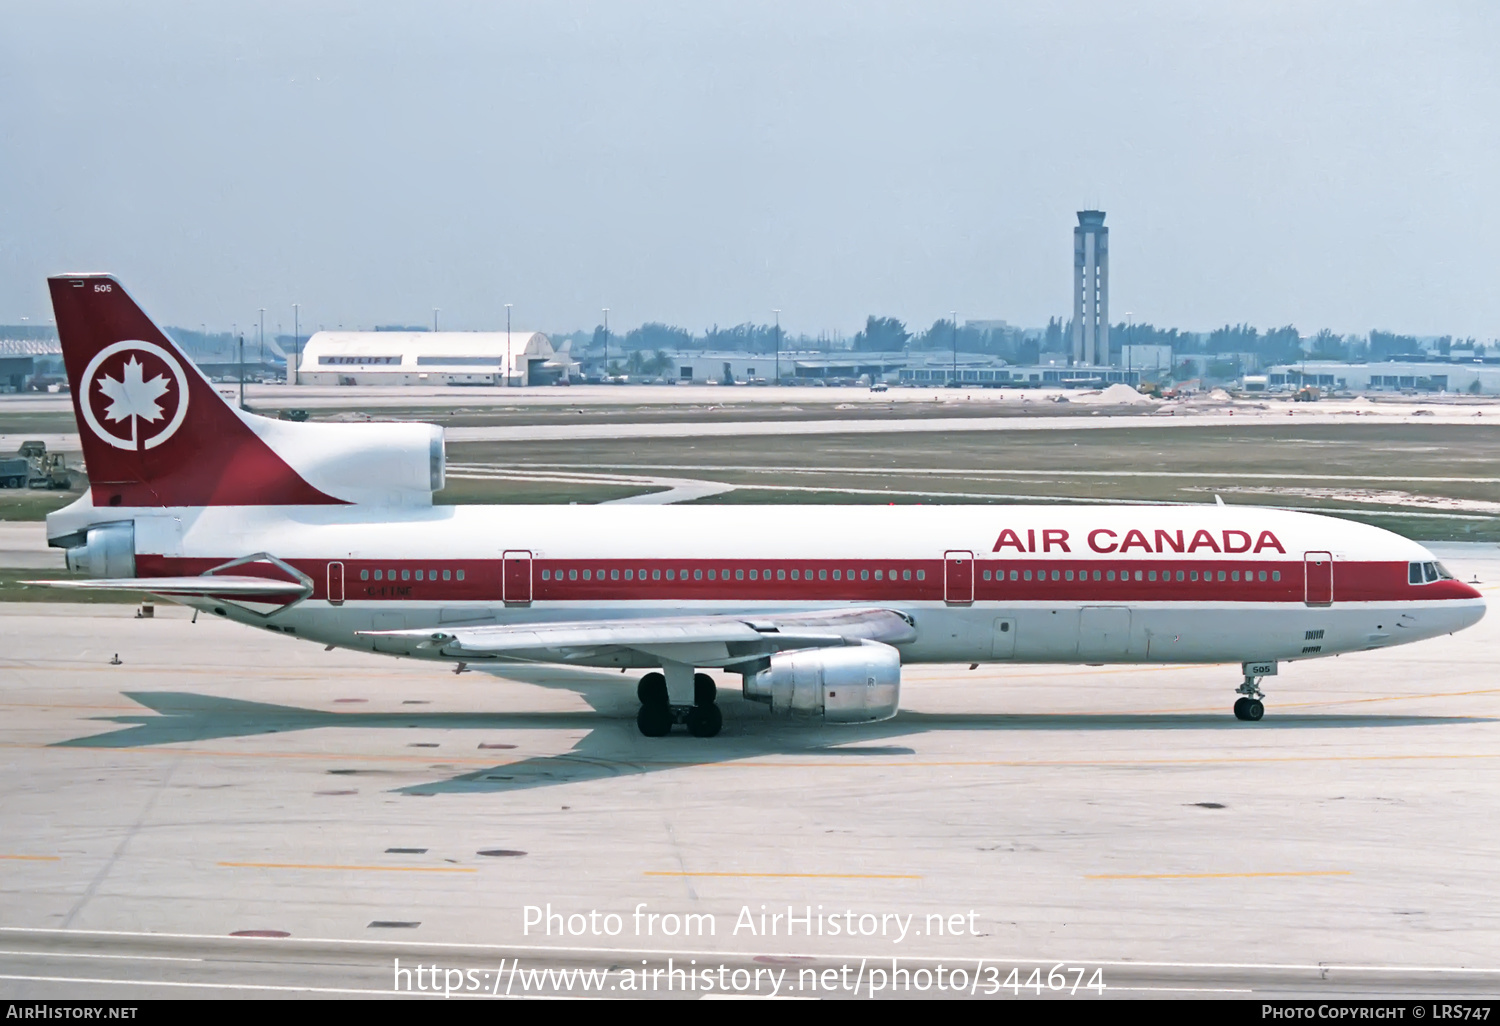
{"x": 15, "y": 471}
{"x": 32, "y": 466}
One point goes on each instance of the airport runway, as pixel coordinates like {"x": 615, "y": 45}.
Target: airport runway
{"x": 219, "y": 781}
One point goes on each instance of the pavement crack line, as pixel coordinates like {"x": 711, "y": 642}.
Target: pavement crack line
{"x": 135, "y": 827}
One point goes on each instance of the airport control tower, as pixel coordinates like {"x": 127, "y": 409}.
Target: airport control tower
{"x": 1091, "y": 289}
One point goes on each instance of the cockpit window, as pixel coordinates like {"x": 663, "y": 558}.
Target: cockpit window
{"x": 1427, "y": 573}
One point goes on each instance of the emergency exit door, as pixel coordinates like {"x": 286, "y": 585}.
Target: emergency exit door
{"x": 335, "y": 584}
{"x": 515, "y": 577}
{"x": 958, "y": 577}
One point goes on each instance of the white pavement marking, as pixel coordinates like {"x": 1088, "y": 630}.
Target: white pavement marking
{"x": 92, "y": 954}
{"x": 761, "y": 468}
{"x": 929, "y": 425}
{"x": 225, "y": 986}
{"x": 575, "y": 950}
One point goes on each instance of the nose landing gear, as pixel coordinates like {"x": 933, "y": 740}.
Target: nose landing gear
{"x": 658, "y": 713}
{"x": 1250, "y": 707}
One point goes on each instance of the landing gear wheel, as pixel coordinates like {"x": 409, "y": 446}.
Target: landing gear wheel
{"x": 705, "y": 721}
{"x": 704, "y": 691}
{"x": 654, "y": 719}
{"x": 1254, "y": 710}
{"x": 652, "y": 690}
{"x": 1239, "y": 708}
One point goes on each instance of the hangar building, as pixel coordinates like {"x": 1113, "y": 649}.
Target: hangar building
{"x": 431, "y": 358}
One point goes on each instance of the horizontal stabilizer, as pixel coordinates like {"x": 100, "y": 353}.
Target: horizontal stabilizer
{"x": 220, "y": 585}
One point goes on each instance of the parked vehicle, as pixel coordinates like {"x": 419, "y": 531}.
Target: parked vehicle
{"x": 15, "y": 471}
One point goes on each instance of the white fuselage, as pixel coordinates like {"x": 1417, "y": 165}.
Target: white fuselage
{"x": 1092, "y": 584}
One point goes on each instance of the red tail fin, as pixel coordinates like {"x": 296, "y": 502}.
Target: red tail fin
{"x": 154, "y": 431}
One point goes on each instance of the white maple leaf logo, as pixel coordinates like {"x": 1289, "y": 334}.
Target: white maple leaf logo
{"x": 132, "y": 395}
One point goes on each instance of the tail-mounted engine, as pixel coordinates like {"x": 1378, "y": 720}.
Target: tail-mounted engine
{"x": 858, "y": 684}
{"x": 108, "y": 550}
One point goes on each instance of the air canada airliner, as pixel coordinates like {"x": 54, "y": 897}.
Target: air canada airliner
{"x": 328, "y": 533}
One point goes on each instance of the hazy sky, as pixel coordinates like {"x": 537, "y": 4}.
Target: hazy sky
{"x": 1324, "y": 164}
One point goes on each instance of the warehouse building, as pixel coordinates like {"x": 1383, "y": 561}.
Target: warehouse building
{"x": 1474, "y": 376}
{"x": 431, "y": 358}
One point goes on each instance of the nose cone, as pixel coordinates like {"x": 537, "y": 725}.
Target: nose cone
{"x": 1468, "y": 605}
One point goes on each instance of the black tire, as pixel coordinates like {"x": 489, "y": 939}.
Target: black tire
{"x": 1239, "y": 708}
{"x": 705, "y": 721}
{"x": 1254, "y": 710}
{"x": 654, "y": 720}
{"x": 652, "y": 690}
{"x": 705, "y": 691}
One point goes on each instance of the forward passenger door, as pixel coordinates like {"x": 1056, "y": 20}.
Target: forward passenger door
{"x": 958, "y": 577}
{"x": 1317, "y": 568}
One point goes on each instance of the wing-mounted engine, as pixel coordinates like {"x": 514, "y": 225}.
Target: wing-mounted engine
{"x": 857, "y": 684}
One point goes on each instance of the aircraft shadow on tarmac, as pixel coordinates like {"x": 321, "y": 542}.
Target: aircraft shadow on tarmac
{"x": 614, "y": 748}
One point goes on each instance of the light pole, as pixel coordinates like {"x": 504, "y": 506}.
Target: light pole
{"x": 507, "y": 345}
{"x": 954, "y": 314}
{"x": 242, "y": 371}
{"x": 778, "y": 345}
{"x": 606, "y": 345}
{"x": 262, "y": 360}
{"x": 296, "y": 343}
{"x": 435, "y": 320}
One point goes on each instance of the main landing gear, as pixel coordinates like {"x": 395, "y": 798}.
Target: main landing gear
{"x": 658, "y": 714}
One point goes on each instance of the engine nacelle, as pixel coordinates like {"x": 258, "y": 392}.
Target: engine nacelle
{"x": 398, "y": 464}
{"x": 858, "y": 684}
{"x": 108, "y": 551}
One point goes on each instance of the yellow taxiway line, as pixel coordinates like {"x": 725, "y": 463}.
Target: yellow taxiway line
{"x": 362, "y": 869}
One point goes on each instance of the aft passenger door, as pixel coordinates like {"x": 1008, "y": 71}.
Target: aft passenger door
{"x": 1317, "y": 570}
{"x": 515, "y": 577}
{"x": 958, "y": 577}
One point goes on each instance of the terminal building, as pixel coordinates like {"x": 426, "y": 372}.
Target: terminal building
{"x": 430, "y": 358}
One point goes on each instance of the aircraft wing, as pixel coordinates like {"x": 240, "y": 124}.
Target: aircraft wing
{"x": 207, "y": 586}
{"x": 711, "y": 640}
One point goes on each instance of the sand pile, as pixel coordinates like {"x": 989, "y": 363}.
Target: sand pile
{"x": 1121, "y": 394}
